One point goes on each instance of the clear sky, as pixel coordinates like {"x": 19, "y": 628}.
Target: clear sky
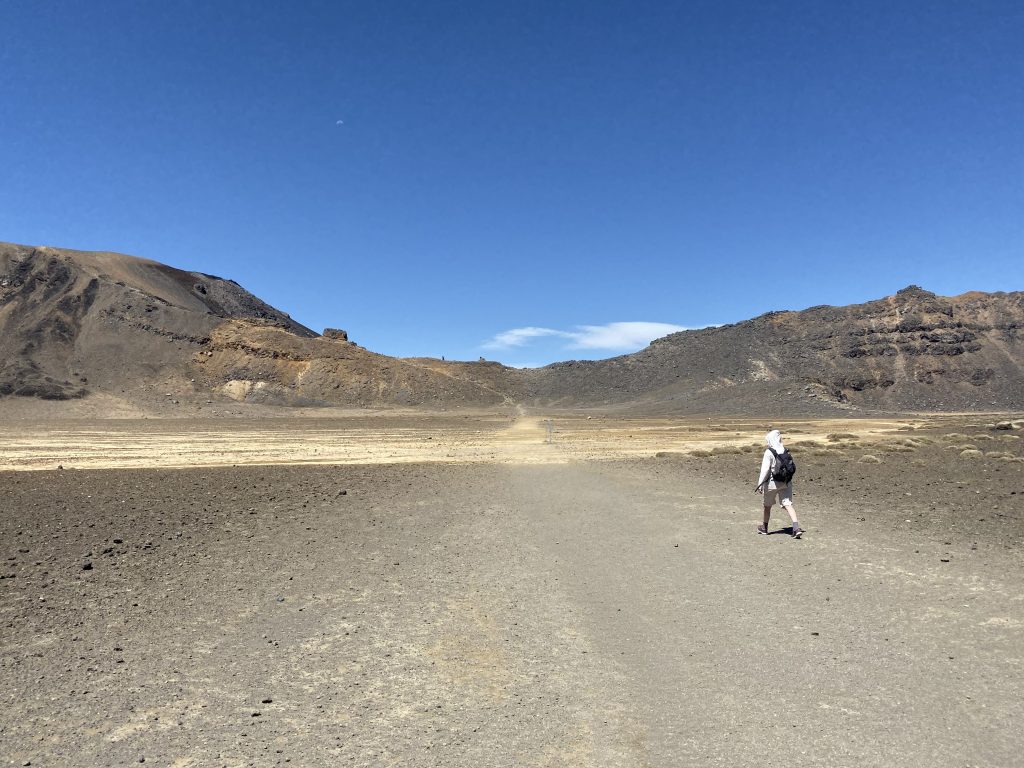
{"x": 528, "y": 181}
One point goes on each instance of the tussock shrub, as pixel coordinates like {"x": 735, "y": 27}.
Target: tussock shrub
{"x": 811, "y": 444}
{"x": 842, "y": 436}
{"x": 922, "y": 440}
{"x": 919, "y": 463}
{"x": 952, "y": 437}
{"x": 867, "y": 458}
{"x": 821, "y": 452}
{"x": 982, "y": 437}
{"x": 700, "y": 453}
{"x": 668, "y": 454}
{"x": 1008, "y": 438}
{"x": 998, "y": 455}
{"x": 749, "y": 448}
{"x": 898, "y": 448}
{"x": 725, "y": 450}
{"x": 972, "y": 453}
{"x": 963, "y": 447}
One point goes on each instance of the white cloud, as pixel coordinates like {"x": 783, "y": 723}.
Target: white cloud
{"x": 613, "y": 336}
{"x": 620, "y": 335}
{"x": 518, "y": 337}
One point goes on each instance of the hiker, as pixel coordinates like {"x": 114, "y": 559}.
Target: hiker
{"x": 776, "y": 481}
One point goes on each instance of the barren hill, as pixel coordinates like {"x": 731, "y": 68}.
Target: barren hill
{"x": 910, "y": 351}
{"x": 75, "y": 324}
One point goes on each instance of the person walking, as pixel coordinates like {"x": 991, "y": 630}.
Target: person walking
{"x": 775, "y": 482}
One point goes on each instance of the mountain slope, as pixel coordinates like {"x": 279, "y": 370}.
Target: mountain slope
{"x": 914, "y": 350}
{"x": 74, "y": 323}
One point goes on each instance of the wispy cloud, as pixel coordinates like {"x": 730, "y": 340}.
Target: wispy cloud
{"x": 520, "y": 337}
{"x": 613, "y": 336}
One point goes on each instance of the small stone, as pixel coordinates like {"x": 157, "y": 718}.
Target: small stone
{"x": 267, "y": 700}
{"x": 87, "y": 566}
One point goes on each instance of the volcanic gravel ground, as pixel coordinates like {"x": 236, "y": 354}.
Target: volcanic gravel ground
{"x": 598, "y": 614}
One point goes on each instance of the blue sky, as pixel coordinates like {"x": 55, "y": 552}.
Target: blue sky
{"x": 525, "y": 181}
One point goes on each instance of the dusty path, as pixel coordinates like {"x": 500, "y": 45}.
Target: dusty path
{"x": 609, "y": 614}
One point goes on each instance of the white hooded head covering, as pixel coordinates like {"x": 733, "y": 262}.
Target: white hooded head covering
{"x": 774, "y": 441}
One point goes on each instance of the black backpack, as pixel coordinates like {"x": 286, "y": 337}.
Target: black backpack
{"x": 785, "y": 467}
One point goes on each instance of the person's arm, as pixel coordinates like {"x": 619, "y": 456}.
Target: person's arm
{"x": 766, "y": 464}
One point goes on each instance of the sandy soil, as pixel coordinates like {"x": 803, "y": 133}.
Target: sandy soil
{"x": 510, "y": 436}
{"x": 523, "y": 602}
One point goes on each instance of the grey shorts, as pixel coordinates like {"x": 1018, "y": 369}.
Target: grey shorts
{"x": 783, "y": 496}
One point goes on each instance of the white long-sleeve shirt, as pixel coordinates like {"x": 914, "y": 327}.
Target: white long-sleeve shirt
{"x": 768, "y": 463}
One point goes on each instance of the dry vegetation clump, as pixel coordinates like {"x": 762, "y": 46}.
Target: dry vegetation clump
{"x": 952, "y": 437}
{"x": 842, "y": 436}
{"x": 963, "y": 447}
{"x": 822, "y": 452}
{"x": 898, "y": 448}
{"x": 750, "y": 448}
{"x": 811, "y": 444}
{"x": 982, "y": 436}
{"x": 972, "y": 453}
{"x": 668, "y": 454}
{"x": 999, "y": 455}
{"x": 867, "y": 458}
{"x": 700, "y": 453}
{"x": 919, "y": 463}
{"x": 725, "y": 450}
{"x": 1008, "y": 438}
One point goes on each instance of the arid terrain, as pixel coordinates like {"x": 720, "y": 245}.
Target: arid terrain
{"x": 481, "y": 589}
{"x": 230, "y": 540}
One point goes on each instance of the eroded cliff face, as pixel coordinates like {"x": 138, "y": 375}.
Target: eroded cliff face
{"x": 911, "y": 350}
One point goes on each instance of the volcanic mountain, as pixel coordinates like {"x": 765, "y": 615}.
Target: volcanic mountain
{"x": 911, "y": 351}
{"x": 75, "y": 325}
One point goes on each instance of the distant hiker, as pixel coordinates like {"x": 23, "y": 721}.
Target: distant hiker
{"x": 776, "y": 481}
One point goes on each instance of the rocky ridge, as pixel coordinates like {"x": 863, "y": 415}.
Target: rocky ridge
{"x": 76, "y": 324}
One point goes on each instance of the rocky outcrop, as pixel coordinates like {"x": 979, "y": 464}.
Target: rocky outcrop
{"x": 73, "y": 323}
{"x": 913, "y": 350}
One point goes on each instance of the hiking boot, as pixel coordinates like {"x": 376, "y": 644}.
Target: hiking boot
{"x": 762, "y": 529}
{"x": 797, "y": 531}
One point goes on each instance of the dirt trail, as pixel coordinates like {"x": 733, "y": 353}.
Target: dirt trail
{"x": 584, "y": 614}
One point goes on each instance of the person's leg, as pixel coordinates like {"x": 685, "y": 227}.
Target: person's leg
{"x": 792, "y": 512}
{"x": 786, "y": 500}
{"x": 767, "y": 514}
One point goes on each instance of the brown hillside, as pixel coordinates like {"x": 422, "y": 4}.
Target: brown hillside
{"x": 911, "y": 351}
{"x": 74, "y": 323}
